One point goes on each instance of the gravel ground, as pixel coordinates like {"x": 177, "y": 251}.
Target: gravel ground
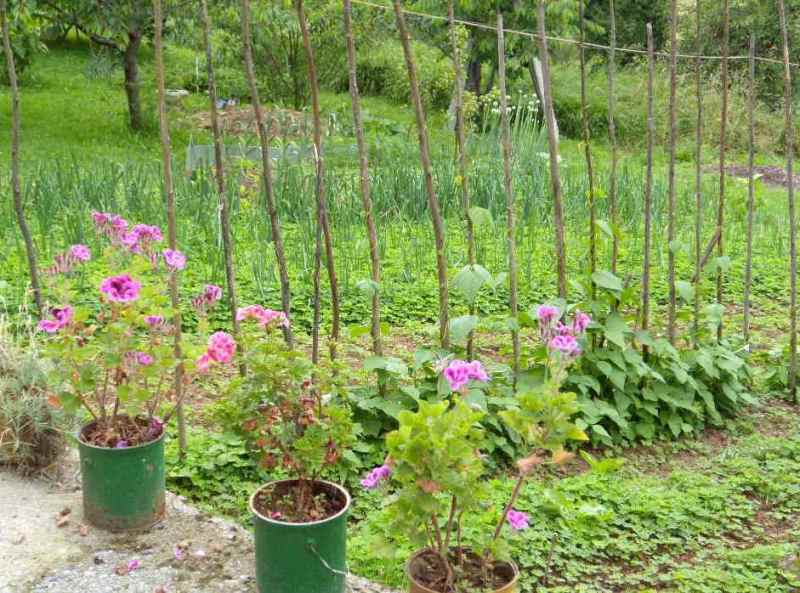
{"x": 45, "y": 547}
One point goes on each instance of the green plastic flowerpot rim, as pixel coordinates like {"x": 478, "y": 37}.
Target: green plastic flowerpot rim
{"x": 83, "y": 443}
{"x": 416, "y": 587}
{"x": 342, "y": 489}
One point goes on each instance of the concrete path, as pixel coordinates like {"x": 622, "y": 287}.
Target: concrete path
{"x": 45, "y": 547}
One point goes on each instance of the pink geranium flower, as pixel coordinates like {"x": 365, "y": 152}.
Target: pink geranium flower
{"x": 62, "y": 316}
{"x": 221, "y": 347}
{"x": 376, "y": 476}
{"x": 121, "y": 289}
{"x": 80, "y": 253}
{"x": 174, "y": 259}
{"x": 458, "y": 373}
{"x": 566, "y": 344}
{"x": 517, "y": 520}
{"x": 204, "y": 363}
{"x": 264, "y": 317}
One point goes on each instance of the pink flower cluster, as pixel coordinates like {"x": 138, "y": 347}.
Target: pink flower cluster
{"x": 558, "y": 336}
{"x": 121, "y": 289}
{"x": 458, "y": 373}
{"x": 139, "y": 358}
{"x": 112, "y": 226}
{"x": 221, "y": 349}
{"x": 154, "y": 320}
{"x": 207, "y": 299}
{"x": 266, "y": 318}
{"x": 141, "y": 237}
{"x": 62, "y": 317}
{"x": 66, "y": 262}
{"x": 376, "y": 476}
{"x": 517, "y": 520}
{"x": 174, "y": 259}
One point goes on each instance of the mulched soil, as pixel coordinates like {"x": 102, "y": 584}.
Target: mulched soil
{"x": 429, "y": 570}
{"x": 279, "y": 502}
{"x": 123, "y": 432}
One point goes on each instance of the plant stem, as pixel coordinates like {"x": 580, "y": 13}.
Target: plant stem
{"x": 509, "y": 506}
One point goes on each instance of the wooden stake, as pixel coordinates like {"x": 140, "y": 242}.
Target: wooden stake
{"x": 587, "y": 150}
{"x": 789, "y": 136}
{"x": 648, "y": 191}
{"x": 224, "y": 206}
{"x": 612, "y": 135}
{"x": 511, "y": 230}
{"x": 363, "y": 163}
{"x": 427, "y": 170}
{"x": 264, "y": 132}
{"x": 172, "y": 233}
{"x": 461, "y": 157}
{"x": 16, "y": 190}
{"x": 698, "y": 174}
{"x": 322, "y": 202}
{"x": 751, "y": 186}
{"x": 673, "y": 148}
{"x": 555, "y": 179}
{"x": 723, "y": 137}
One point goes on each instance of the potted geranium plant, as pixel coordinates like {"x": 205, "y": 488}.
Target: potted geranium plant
{"x": 291, "y": 414}
{"x": 111, "y": 336}
{"x": 436, "y": 461}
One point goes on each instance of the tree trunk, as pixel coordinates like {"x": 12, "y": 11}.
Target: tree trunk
{"x": 224, "y": 204}
{"x": 322, "y": 202}
{"x": 16, "y": 191}
{"x": 461, "y": 157}
{"x": 673, "y": 147}
{"x": 648, "y": 190}
{"x": 172, "y": 234}
{"x": 363, "y": 162}
{"x": 789, "y": 136}
{"x": 266, "y": 171}
{"x": 132, "y": 83}
{"x": 427, "y": 171}
{"x": 552, "y": 137}
{"x": 511, "y": 224}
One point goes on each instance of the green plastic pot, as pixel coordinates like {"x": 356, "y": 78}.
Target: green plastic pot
{"x": 301, "y": 557}
{"x": 123, "y": 489}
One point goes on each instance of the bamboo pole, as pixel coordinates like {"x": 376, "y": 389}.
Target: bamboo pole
{"x": 224, "y": 205}
{"x": 461, "y": 157}
{"x": 612, "y": 135}
{"x": 698, "y": 174}
{"x": 511, "y": 232}
{"x": 648, "y": 191}
{"x": 363, "y": 163}
{"x": 587, "y": 149}
{"x": 264, "y": 132}
{"x": 673, "y": 147}
{"x": 789, "y": 138}
{"x": 322, "y": 202}
{"x": 16, "y": 190}
{"x": 723, "y": 137}
{"x": 748, "y": 267}
{"x": 172, "y": 234}
{"x": 555, "y": 179}
{"x": 425, "y": 158}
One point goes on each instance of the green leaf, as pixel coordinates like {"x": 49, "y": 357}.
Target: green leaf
{"x": 607, "y": 280}
{"x": 605, "y": 228}
{"x": 480, "y": 217}
{"x": 615, "y": 329}
{"x": 368, "y": 287}
{"x": 685, "y": 290}
{"x": 460, "y": 327}
{"x": 470, "y": 280}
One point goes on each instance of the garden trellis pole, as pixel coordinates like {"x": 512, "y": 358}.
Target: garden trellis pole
{"x": 748, "y": 267}
{"x": 322, "y": 202}
{"x": 224, "y": 204}
{"x": 587, "y": 149}
{"x": 555, "y": 179}
{"x": 612, "y": 135}
{"x": 264, "y": 132}
{"x": 461, "y": 156}
{"x": 16, "y": 190}
{"x": 427, "y": 171}
{"x": 363, "y": 163}
{"x": 511, "y": 231}
{"x": 789, "y": 139}
{"x": 698, "y": 175}
{"x": 673, "y": 147}
{"x": 172, "y": 234}
{"x": 723, "y": 137}
{"x": 648, "y": 190}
